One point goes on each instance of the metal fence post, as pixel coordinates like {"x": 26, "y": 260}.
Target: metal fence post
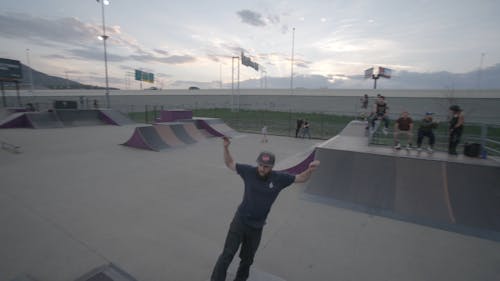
{"x": 322, "y": 127}
{"x": 484, "y": 135}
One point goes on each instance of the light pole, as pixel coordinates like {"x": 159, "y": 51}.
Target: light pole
{"x": 263, "y": 79}
{"x": 105, "y": 37}
{"x": 291, "y": 74}
{"x": 479, "y": 71}
{"x": 31, "y": 70}
{"x": 232, "y": 80}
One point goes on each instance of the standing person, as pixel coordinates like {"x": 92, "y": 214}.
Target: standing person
{"x": 381, "y": 112}
{"x": 305, "y": 129}
{"x": 264, "y": 134}
{"x": 81, "y": 102}
{"x": 96, "y": 105}
{"x": 426, "y": 129}
{"x": 299, "y": 126}
{"x": 364, "y": 106}
{"x": 404, "y": 125}
{"x": 262, "y": 186}
{"x": 364, "y": 101}
{"x": 456, "y": 128}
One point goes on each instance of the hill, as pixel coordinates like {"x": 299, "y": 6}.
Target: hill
{"x": 42, "y": 81}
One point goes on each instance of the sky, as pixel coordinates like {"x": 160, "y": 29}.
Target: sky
{"x": 183, "y": 42}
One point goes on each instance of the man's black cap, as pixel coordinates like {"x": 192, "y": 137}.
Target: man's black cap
{"x": 266, "y": 158}
{"x": 455, "y": 108}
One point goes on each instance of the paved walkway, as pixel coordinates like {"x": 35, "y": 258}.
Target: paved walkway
{"x": 75, "y": 199}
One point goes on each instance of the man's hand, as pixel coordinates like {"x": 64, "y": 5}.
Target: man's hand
{"x": 313, "y": 165}
{"x": 305, "y": 175}
{"x": 228, "y": 159}
{"x": 226, "y": 140}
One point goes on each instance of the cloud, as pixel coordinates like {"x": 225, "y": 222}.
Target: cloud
{"x": 180, "y": 84}
{"x": 163, "y": 75}
{"x": 95, "y": 54}
{"x": 251, "y": 18}
{"x": 63, "y": 30}
{"x": 274, "y": 19}
{"x": 232, "y": 48}
{"x": 284, "y": 29}
{"x": 176, "y": 59}
{"x": 302, "y": 64}
{"x": 161, "y": 52}
{"x": 82, "y": 39}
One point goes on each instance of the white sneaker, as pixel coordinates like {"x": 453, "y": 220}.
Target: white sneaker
{"x": 408, "y": 147}
{"x": 419, "y": 149}
{"x": 384, "y": 130}
{"x": 429, "y": 149}
{"x": 397, "y": 146}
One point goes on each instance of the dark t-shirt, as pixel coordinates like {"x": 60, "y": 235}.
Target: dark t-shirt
{"x": 381, "y": 108}
{"x": 259, "y": 195}
{"x": 404, "y": 123}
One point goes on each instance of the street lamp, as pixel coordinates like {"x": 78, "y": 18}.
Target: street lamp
{"x": 232, "y": 82}
{"x": 104, "y": 38}
{"x": 31, "y": 71}
{"x": 291, "y": 66}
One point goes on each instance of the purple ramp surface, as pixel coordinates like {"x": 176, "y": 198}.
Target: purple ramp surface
{"x": 301, "y": 166}
{"x": 114, "y": 117}
{"x": 204, "y": 125}
{"x": 137, "y": 141}
{"x": 174, "y": 115}
{"x": 15, "y": 120}
{"x": 181, "y": 133}
{"x": 146, "y": 138}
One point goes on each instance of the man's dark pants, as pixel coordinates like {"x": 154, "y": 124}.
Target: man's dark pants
{"x": 454, "y": 140}
{"x": 429, "y": 134}
{"x": 249, "y": 238}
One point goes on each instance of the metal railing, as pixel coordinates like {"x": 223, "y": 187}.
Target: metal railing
{"x": 487, "y": 135}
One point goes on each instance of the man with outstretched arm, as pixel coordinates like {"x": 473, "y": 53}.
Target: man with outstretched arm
{"x": 262, "y": 186}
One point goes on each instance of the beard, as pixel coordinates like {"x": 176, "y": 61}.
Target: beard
{"x": 264, "y": 177}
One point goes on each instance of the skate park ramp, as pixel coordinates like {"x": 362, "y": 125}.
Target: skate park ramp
{"x": 114, "y": 117}
{"x": 173, "y": 115}
{"x": 181, "y": 133}
{"x": 65, "y": 118}
{"x": 75, "y": 118}
{"x": 215, "y": 126}
{"x": 15, "y": 120}
{"x": 161, "y": 136}
{"x": 109, "y": 272}
{"x": 297, "y": 163}
{"x": 43, "y": 120}
{"x": 184, "y": 132}
{"x": 146, "y": 137}
{"x": 437, "y": 190}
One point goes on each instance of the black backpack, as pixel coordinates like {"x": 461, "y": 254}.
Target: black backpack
{"x": 472, "y": 149}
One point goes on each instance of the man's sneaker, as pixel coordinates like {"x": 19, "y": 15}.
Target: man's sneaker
{"x": 429, "y": 149}
{"x": 384, "y": 130}
{"x": 397, "y": 146}
{"x": 408, "y": 146}
{"x": 419, "y": 149}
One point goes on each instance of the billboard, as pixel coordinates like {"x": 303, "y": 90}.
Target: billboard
{"x": 369, "y": 73}
{"x": 10, "y": 70}
{"x": 384, "y": 72}
{"x": 144, "y": 76}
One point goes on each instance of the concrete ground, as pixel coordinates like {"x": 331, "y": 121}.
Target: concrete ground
{"x": 75, "y": 199}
